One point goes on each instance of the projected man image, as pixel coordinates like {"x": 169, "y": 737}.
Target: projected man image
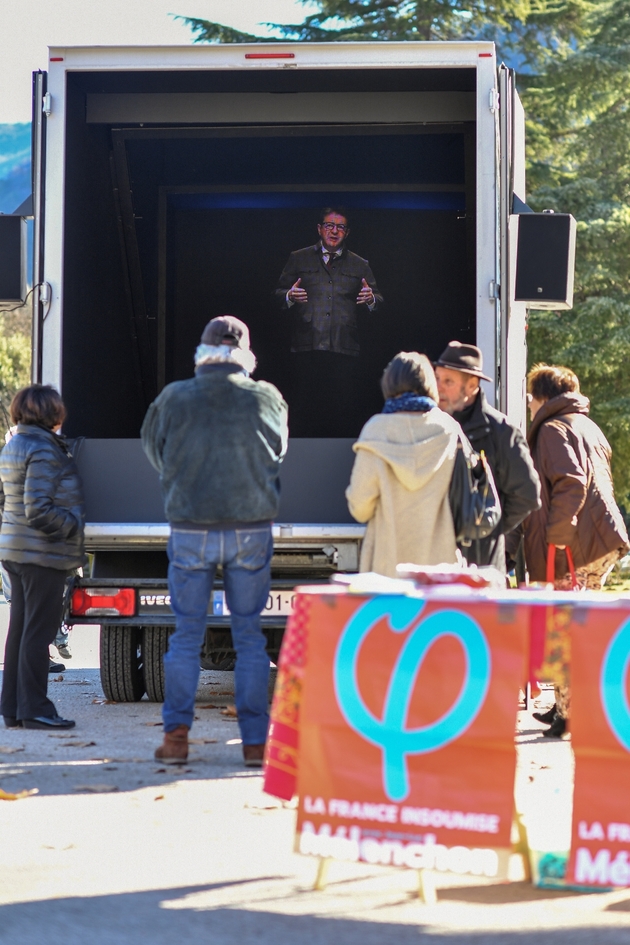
{"x": 327, "y": 289}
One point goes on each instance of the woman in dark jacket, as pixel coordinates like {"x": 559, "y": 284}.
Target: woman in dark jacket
{"x": 41, "y": 541}
{"x": 578, "y": 511}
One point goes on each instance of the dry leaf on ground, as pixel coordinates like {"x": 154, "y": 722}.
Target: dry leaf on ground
{"x": 128, "y": 761}
{"x": 10, "y": 749}
{"x": 202, "y": 741}
{"x": 210, "y": 706}
{"x": 152, "y": 723}
{"x": 229, "y": 710}
{"x": 103, "y": 702}
{"x": 96, "y": 788}
{"x": 160, "y": 797}
{"x": 77, "y": 744}
{"x": 5, "y": 796}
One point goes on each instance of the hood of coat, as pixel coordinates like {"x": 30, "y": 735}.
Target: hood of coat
{"x": 559, "y": 406}
{"x": 414, "y": 445}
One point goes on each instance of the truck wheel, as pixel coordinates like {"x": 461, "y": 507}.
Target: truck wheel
{"x": 223, "y": 661}
{"x": 154, "y": 646}
{"x": 121, "y": 664}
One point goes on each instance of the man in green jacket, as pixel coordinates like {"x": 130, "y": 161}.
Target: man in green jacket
{"x": 217, "y": 441}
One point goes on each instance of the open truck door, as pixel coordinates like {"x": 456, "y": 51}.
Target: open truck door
{"x": 512, "y": 316}
{"x": 38, "y": 173}
{"x": 537, "y": 256}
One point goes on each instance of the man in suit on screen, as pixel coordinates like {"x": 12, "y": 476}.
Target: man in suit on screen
{"x": 326, "y": 289}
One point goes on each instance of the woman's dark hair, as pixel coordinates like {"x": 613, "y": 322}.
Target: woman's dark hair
{"x": 409, "y": 372}
{"x": 38, "y": 404}
{"x": 545, "y": 381}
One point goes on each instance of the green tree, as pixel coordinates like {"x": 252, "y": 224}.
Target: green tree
{"x": 578, "y": 137}
{"x": 576, "y": 90}
{"x": 15, "y": 359}
{"x": 526, "y": 26}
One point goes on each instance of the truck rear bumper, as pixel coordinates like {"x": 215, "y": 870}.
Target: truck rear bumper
{"x": 303, "y": 554}
{"x": 152, "y": 604}
{"x": 140, "y": 536}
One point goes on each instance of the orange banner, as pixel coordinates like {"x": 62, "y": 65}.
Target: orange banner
{"x": 600, "y": 730}
{"x": 407, "y": 730}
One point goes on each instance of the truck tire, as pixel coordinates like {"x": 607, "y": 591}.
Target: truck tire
{"x": 225, "y": 662}
{"x": 154, "y": 646}
{"x": 121, "y": 663}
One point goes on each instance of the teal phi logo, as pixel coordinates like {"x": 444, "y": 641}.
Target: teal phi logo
{"x": 390, "y": 732}
{"x": 612, "y": 684}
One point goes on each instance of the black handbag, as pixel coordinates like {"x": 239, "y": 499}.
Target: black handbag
{"x": 473, "y": 496}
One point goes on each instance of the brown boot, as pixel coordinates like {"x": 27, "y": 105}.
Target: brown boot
{"x": 253, "y": 755}
{"x": 174, "y": 750}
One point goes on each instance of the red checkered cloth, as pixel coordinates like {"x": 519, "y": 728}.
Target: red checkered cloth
{"x": 281, "y": 756}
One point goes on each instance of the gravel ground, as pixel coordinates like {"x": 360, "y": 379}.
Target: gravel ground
{"x": 113, "y": 744}
{"x": 117, "y": 849}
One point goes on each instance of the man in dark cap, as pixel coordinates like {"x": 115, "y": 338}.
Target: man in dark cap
{"x": 217, "y": 441}
{"x": 458, "y": 371}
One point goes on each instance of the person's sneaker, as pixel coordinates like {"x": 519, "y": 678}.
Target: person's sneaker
{"x": 557, "y": 728}
{"x": 546, "y": 717}
{"x": 56, "y": 667}
{"x": 174, "y": 748}
{"x": 11, "y": 722}
{"x": 253, "y": 755}
{"x": 64, "y": 651}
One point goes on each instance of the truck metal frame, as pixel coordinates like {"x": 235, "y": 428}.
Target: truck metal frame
{"x": 132, "y": 647}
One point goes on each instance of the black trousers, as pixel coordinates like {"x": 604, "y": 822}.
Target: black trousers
{"x": 36, "y": 610}
{"x": 326, "y": 395}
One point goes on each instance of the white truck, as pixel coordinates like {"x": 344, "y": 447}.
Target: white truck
{"x": 170, "y": 185}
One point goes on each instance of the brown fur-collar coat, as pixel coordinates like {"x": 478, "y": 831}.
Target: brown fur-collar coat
{"x": 572, "y": 457}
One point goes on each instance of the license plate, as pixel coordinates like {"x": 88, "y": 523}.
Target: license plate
{"x": 279, "y": 603}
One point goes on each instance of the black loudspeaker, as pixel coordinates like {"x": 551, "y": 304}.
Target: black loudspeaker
{"x": 12, "y": 259}
{"x": 545, "y": 260}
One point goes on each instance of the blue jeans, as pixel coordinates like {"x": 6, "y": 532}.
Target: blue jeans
{"x": 245, "y": 554}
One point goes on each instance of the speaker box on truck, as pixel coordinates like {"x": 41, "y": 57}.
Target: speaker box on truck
{"x": 12, "y": 259}
{"x": 545, "y": 260}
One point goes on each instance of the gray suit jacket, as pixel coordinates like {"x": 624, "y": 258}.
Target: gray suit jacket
{"x": 329, "y": 320}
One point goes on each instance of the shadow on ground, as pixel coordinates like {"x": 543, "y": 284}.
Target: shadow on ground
{"x": 495, "y": 893}
{"x": 113, "y": 744}
{"x": 161, "y": 917}
{"x": 623, "y": 906}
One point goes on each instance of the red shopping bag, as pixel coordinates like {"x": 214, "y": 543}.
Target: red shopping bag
{"x": 551, "y": 567}
{"x": 549, "y": 651}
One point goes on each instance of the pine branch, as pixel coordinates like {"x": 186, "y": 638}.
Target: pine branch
{"x": 207, "y": 32}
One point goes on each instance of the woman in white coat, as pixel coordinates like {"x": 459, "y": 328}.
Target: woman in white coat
{"x": 402, "y": 472}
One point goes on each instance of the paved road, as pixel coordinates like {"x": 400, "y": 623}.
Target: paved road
{"x": 201, "y": 855}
